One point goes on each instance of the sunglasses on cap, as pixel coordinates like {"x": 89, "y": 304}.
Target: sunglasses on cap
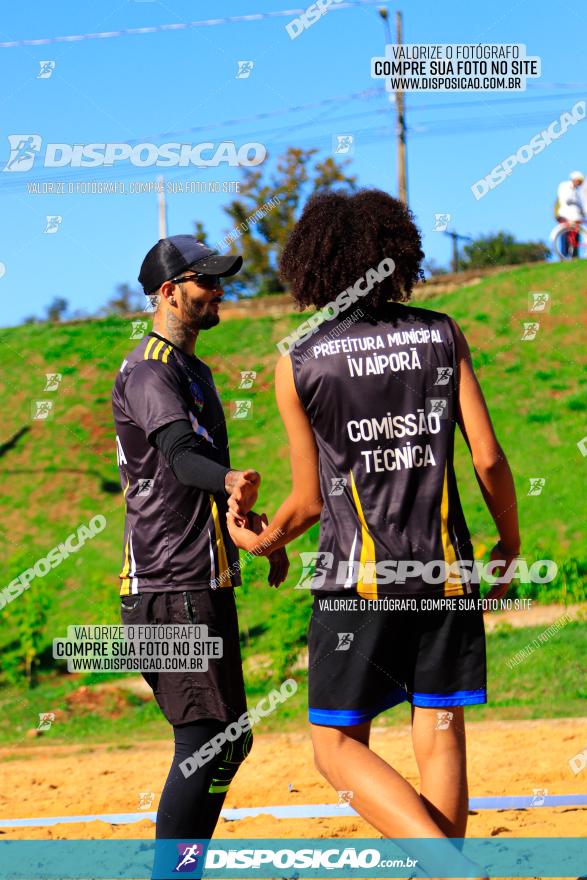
{"x": 207, "y": 282}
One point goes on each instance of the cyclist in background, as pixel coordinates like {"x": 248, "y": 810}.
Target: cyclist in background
{"x": 570, "y": 209}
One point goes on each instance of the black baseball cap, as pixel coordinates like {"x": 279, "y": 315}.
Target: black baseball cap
{"x": 172, "y": 256}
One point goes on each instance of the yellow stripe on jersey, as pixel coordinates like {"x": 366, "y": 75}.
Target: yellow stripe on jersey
{"x": 125, "y": 585}
{"x": 223, "y": 576}
{"x": 149, "y": 346}
{"x": 455, "y": 588}
{"x": 367, "y": 561}
{"x": 157, "y": 350}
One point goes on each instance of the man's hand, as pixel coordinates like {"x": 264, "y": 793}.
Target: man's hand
{"x": 246, "y": 538}
{"x": 243, "y": 488}
{"x": 243, "y": 537}
{"x": 278, "y": 567}
{"x": 500, "y": 551}
{"x": 278, "y": 560}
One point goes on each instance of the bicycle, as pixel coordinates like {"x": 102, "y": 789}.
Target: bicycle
{"x": 570, "y": 239}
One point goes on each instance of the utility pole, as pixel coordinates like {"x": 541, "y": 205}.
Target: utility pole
{"x": 402, "y": 171}
{"x": 455, "y": 247}
{"x": 162, "y": 206}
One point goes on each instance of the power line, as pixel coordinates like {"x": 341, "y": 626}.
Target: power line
{"x": 179, "y": 26}
{"x": 282, "y": 135}
{"x": 511, "y": 100}
{"x": 368, "y": 134}
{"x": 365, "y": 94}
{"x": 480, "y": 123}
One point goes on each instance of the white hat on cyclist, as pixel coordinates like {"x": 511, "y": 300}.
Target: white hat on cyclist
{"x": 576, "y": 175}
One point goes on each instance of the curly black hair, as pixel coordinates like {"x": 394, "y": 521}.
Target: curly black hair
{"x": 339, "y": 236}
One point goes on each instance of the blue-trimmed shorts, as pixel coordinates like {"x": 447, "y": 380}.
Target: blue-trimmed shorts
{"x": 362, "y": 662}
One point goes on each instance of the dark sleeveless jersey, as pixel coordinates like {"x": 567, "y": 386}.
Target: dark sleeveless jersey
{"x": 175, "y": 536}
{"x": 382, "y": 400}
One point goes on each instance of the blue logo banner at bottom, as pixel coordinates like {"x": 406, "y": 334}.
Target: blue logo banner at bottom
{"x": 293, "y": 858}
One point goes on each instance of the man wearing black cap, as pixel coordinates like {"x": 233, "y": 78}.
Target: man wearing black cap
{"x": 179, "y": 563}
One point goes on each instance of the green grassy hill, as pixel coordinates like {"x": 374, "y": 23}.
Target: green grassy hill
{"x": 60, "y": 472}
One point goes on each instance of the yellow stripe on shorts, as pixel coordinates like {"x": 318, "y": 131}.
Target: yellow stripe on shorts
{"x": 455, "y": 588}
{"x": 125, "y": 585}
{"x": 367, "y": 561}
{"x": 223, "y": 574}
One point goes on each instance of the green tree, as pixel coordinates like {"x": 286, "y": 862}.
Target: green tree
{"x": 201, "y": 233}
{"x": 28, "y": 619}
{"x": 265, "y": 212}
{"x": 434, "y": 269}
{"x": 125, "y": 301}
{"x": 57, "y": 308}
{"x": 501, "y": 249}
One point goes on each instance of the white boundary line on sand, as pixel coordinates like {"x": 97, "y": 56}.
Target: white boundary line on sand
{"x": 301, "y": 811}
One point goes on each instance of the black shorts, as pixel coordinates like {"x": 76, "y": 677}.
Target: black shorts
{"x": 183, "y": 697}
{"x": 363, "y": 662}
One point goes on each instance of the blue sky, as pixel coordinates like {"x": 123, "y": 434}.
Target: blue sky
{"x": 135, "y": 88}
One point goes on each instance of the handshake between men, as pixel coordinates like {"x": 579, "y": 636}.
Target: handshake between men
{"x": 243, "y": 489}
